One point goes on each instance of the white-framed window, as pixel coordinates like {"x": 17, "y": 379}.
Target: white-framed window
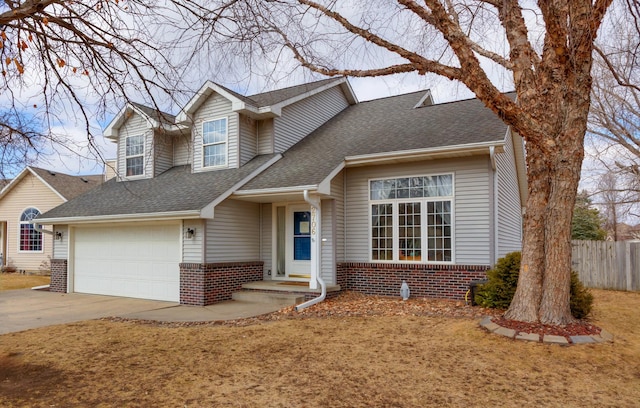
{"x": 134, "y": 155}
{"x": 214, "y": 143}
{"x": 412, "y": 219}
{"x": 30, "y": 239}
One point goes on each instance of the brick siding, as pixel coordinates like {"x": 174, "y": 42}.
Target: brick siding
{"x": 206, "y": 284}
{"x": 432, "y": 281}
{"x": 58, "y": 276}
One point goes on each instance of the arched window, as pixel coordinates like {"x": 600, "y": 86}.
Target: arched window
{"x": 30, "y": 239}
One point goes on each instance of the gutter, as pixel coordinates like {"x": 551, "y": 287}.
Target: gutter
{"x": 323, "y": 286}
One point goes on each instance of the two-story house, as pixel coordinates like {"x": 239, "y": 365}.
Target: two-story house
{"x": 303, "y": 187}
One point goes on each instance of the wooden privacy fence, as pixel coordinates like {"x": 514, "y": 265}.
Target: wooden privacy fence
{"x": 606, "y": 264}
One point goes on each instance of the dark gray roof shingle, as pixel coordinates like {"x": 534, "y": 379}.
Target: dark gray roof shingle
{"x": 177, "y": 189}
{"x": 280, "y": 95}
{"x": 162, "y": 117}
{"x": 379, "y": 126}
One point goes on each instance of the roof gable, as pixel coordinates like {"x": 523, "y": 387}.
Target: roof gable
{"x": 266, "y": 104}
{"x": 153, "y": 117}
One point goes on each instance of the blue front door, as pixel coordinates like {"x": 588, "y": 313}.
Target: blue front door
{"x": 301, "y": 236}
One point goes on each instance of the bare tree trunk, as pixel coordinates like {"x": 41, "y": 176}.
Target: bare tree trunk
{"x": 526, "y": 302}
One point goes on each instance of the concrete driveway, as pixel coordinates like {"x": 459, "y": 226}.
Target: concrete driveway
{"x": 29, "y": 309}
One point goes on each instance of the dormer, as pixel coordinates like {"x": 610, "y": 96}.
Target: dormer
{"x": 146, "y": 140}
{"x": 229, "y": 129}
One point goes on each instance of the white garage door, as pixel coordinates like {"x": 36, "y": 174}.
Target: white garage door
{"x": 131, "y": 261}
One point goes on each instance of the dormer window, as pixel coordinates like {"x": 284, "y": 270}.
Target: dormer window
{"x": 214, "y": 143}
{"x": 135, "y": 155}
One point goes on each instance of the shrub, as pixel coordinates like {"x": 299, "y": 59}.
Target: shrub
{"x": 503, "y": 280}
{"x": 581, "y": 298}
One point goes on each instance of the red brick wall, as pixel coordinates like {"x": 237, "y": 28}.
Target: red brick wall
{"x": 58, "y": 276}
{"x": 206, "y": 284}
{"x": 432, "y": 281}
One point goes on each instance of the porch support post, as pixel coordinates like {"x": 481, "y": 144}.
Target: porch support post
{"x": 316, "y": 242}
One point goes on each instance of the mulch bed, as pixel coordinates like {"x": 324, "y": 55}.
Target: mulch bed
{"x": 579, "y": 328}
{"x": 353, "y": 304}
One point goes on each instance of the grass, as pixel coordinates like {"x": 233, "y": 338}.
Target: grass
{"x": 11, "y": 281}
{"x": 379, "y": 361}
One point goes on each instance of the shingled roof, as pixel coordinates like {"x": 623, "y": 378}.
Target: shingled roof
{"x": 281, "y": 95}
{"x": 383, "y": 125}
{"x": 68, "y": 186}
{"x": 176, "y": 190}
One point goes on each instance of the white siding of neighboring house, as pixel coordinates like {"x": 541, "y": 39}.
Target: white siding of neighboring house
{"x": 471, "y": 210}
{"x": 303, "y": 117}
{"x": 328, "y": 241}
{"x": 163, "y": 151}
{"x": 61, "y": 246}
{"x": 193, "y": 248}
{"x": 267, "y": 240}
{"x": 248, "y": 139}
{"x": 509, "y": 207}
{"x": 134, "y": 126}
{"x": 337, "y": 191}
{"x": 215, "y": 107}
{"x": 182, "y": 150}
{"x": 265, "y": 136}
{"x": 234, "y": 233}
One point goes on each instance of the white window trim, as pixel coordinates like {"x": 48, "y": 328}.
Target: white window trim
{"x": 143, "y": 154}
{"x": 226, "y": 142}
{"x": 20, "y": 223}
{"x": 396, "y": 224}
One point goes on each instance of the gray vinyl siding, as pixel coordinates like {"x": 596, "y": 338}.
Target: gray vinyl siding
{"x": 61, "y": 247}
{"x": 192, "y": 248}
{"x": 337, "y": 191}
{"x": 215, "y": 107}
{"x": 471, "y": 206}
{"x": 509, "y": 206}
{"x": 267, "y": 239}
{"x": 163, "y": 152}
{"x": 327, "y": 239}
{"x": 134, "y": 126}
{"x": 248, "y": 139}
{"x": 233, "y": 235}
{"x": 303, "y": 117}
{"x": 265, "y": 136}
{"x": 182, "y": 150}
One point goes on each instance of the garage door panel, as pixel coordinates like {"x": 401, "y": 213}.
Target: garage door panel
{"x": 141, "y": 262}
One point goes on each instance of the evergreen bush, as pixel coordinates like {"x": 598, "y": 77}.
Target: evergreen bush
{"x": 503, "y": 279}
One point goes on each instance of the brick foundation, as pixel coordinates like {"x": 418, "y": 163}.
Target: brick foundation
{"x": 432, "y": 281}
{"x": 206, "y": 284}
{"x": 58, "y": 276}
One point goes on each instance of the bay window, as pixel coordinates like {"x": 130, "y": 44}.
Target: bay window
{"x": 411, "y": 219}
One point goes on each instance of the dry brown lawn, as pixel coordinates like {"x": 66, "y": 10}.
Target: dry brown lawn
{"x": 10, "y": 281}
{"x": 330, "y": 361}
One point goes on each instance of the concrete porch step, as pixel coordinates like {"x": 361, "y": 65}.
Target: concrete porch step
{"x": 275, "y": 298}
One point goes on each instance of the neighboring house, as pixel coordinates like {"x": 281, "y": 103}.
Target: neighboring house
{"x": 32, "y": 192}
{"x": 294, "y": 185}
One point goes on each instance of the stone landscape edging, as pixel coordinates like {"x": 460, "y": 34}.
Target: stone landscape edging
{"x": 488, "y": 324}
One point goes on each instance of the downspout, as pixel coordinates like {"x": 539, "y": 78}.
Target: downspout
{"x": 316, "y": 243}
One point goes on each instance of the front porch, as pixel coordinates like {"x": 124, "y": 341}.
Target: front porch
{"x": 298, "y": 292}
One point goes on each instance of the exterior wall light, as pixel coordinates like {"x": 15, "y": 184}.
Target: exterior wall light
{"x": 189, "y": 233}
{"x": 58, "y": 236}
